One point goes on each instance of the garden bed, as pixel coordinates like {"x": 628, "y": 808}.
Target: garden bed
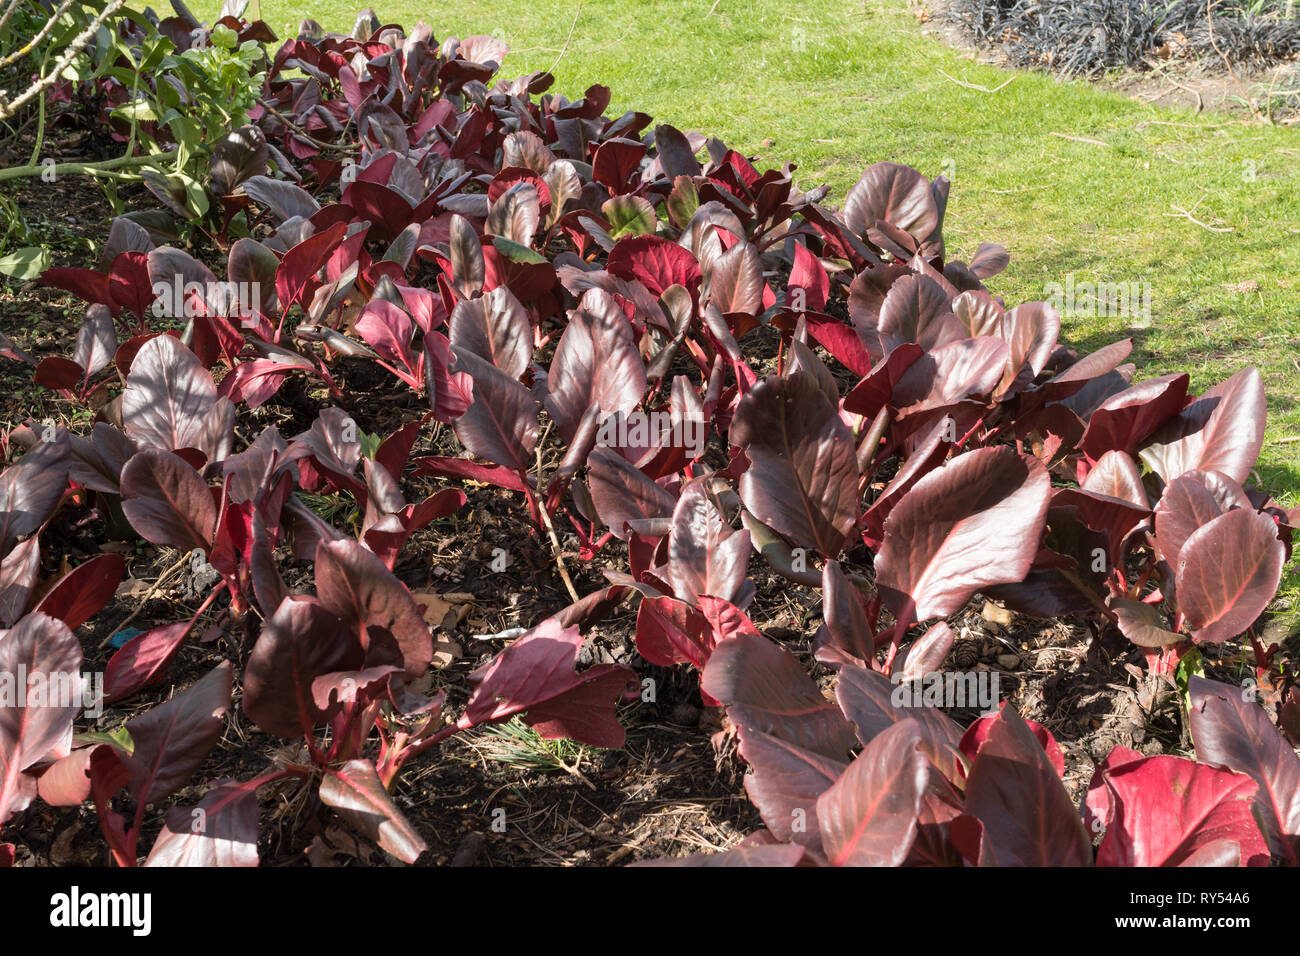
{"x": 364, "y": 536}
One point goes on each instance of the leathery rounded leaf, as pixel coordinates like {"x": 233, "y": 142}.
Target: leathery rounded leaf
{"x": 974, "y": 522}
{"x": 1228, "y": 571}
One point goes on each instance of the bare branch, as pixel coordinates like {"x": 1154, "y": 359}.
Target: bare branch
{"x": 45, "y": 31}
{"x": 74, "y": 49}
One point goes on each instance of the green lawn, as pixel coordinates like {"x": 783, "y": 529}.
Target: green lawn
{"x": 835, "y": 86}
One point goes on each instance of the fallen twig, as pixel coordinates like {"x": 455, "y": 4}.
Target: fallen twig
{"x": 302, "y": 133}
{"x": 1180, "y": 213}
{"x": 1080, "y": 139}
{"x": 550, "y": 530}
{"x": 564, "y": 49}
{"x": 976, "y": 87}
{"x": 1200, "y": 103}
{"x": 149, "y": 596}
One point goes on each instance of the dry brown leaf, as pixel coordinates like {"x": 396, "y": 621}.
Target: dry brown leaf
{"x": 435, "y": 608}
{"x": 445, "y": 650}
{"x": 995, "y": 614}
{"x": 134, "y": 587}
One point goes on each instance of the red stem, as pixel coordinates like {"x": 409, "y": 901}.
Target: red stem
{"x": 400, "y": 757}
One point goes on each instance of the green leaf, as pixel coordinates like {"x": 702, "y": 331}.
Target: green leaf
{"x": 114, "y": 200}
{"x": 141, "y": 110}
{"x": 187, "y": 132}
{"x": 158, "y": 48}
{"x": 179, "y": 192}
{"x": 629, "y": 216}
{"x": 139, "y": 19}
{"x": 196, "y": 195}
{"x": 224, "y": 37}
{"x": 1191, "y": 665}
{"x": 119, "y": 738}
{"x": 26, "y": 263}
{"x": 683, "y": 201}
{"x": 516, "y": 252}
{"x": 78, "y": 71}
{"x": 121, "y": 74}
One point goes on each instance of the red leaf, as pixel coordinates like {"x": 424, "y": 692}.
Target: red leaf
{"x": 766, "y": 690}
{"x": 1030, "y": 331}
{"x": 625, "y": 496}
{"x": 66, "y": 782}
{"x": 19, "y": 571}
{"x": 299, "y": 642}
{"x": 50, "y": 656}
{"x": 809, "y": 275}
{"x": 671, "y": 632}
{"x": 586, "y": 713}
{"x": 174, "y": 738}
{"x": 803, "y": 473}
{"x": 1187, "y": 504}
{"x": 927, "y": 452}
{"x": 443, "y": 467}
{"x": 1026, "y": 815}
{"x": 1231, "y": 732}
{"x": 83, "y": 591}
{"x": 353, "y": 584}
{"x": 977, "y": 734}
{"x": 85, "y": 284}
{"x": 1113, "y": 517}
{"x": 869, "y": 816}
{"x": 1221, "y": 431}
{"x": 876, "y": 390}
{"x": 655, "y": 262}
{"x": 974, "y": 522}
{"x": 1124, "y": 421}
{"x": 221, "y": 830}
{"x": 387, "y": 211}
{"x": 705, "y": 554}
{"x": 1228, "y": 572}
{"x": 501, "y": 424}
{"x": 536, "y": 671}
{"x": 1116, "y": 475}
{"x": 295, "y": 279}
{"x": 169, "y": 396}
{"x": 388, "y": 330}
{"x": 872, "y": 702}
{"x": 1167, "y": 809}
{"x": 167, "y": 502}
{"x": 845, "y": 616}
{"x": 494, "y": 327}
{"x": 31, "y": 488}
{"x": 356, "y": 793}
{"x": 897, "y": 194}
{"x": 144, "y": 660}
{"x": 596, "y": 363}
{"x": 129, "y": 285}
{"x": 254, "y": 381}
{"x": 616, "y": 162}
{"x": 56, "y": 372}
{"x": 842, "y": 342}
